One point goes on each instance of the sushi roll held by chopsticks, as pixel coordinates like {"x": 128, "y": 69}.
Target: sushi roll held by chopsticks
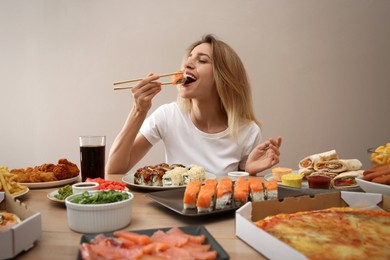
{"x": 178, "y": 77}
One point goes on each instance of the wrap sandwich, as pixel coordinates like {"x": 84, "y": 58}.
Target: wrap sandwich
{"x": 346, "y": 180}
{"x": 309, "y": 161}
{"x": 338, "y": 166}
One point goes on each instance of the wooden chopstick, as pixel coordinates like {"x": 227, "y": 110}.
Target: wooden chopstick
{"x": 129, "y": 87}
{"x": 139, "y": 79}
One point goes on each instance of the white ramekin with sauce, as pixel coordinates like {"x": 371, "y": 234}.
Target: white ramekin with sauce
{"x": 234, "y": 175}
{"x": 84, "y": 186}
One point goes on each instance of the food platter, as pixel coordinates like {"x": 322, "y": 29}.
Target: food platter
{"x": 173, "y": 200}
{"x": 191, "y": 230}
{"x": 372, "y": 187}
{"x": 310, "y": 191}
{"x": 129, "y": 180}
{"x": 50, "y": 184}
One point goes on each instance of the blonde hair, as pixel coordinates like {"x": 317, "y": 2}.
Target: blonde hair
{"x": 231, "y": 82}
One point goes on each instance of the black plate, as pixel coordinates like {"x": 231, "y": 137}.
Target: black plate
{"x": 173, "y": 200}
{"x": 191, "y": 230}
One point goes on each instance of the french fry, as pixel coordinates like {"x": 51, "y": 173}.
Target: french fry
{"x": 9, "y": 184}
{"x": 381, "y": 156}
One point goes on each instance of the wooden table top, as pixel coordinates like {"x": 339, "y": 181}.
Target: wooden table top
{"x": 58, "y": 241}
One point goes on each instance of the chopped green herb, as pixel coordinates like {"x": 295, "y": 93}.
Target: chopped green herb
{"x": 64, "y": 192}
{"x": 100, "y": 197}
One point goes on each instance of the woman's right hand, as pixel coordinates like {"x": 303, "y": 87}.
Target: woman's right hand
{"x": 144, "y": 92}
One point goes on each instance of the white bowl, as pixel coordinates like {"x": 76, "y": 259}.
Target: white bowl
{"x": 372, "y": 187}
{"x": 234, "y": 175}
{"x": 99, "y": 218}
{"x": 84, "y": 186}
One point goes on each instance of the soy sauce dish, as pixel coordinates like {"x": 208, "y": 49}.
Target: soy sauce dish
{"x": 84, "y": 186}
{"x": 99, "y": 211}
{"x": 234, "y": 175}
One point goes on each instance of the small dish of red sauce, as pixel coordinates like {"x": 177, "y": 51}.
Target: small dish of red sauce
{"x": 318, "y": 182}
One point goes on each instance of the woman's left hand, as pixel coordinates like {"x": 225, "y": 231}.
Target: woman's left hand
{"x": 263, "y": 156}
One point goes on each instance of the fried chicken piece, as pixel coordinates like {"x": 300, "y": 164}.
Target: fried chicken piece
{"x": 65, "y": 169}
{"x": 35, "y": 176}
{"x": 48, "y": 176}
{"x": 23, "y": 176}
{"x": 71, "y": 166}
{"x": 29, "y": 169}
{"x": 47, "y": 167}
{"x": 47, "y": 172}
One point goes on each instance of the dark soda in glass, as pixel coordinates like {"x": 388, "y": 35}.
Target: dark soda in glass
{"x": 92, "y": 160}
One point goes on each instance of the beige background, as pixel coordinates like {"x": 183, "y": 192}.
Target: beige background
{"x": 320, "y": 70}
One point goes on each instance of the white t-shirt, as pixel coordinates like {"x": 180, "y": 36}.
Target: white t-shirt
{"x": 186, "y": 144}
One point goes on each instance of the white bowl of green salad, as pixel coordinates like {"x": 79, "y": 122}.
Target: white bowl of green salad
{"x": 99, "y": 211}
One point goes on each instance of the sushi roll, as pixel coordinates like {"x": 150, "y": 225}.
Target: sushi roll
{"x": 212, "y": 182}
{"x": 194, "y": 173}
{"x": 157, "y": 177}
{"x": 224, "y": 193}
{"x": 174, "y": 177}
{"x": 143, "y": 177}
{"x": 241, "y": 191}
{"x": 190, "y": 194}
{"x": 256, "y": 189}
{"x": 206, "y": 198}
{"x": 271, "y": 190}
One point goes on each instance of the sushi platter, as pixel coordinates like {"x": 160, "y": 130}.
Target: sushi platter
{"x": 214, "y": 197}
{"x": 173, "y": 200}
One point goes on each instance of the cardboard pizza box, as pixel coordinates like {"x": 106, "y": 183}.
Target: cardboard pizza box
{"x": 272, "y": 247}
{"x": 22, "y": 236}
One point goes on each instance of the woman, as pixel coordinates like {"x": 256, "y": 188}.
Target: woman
{"x": 212, "y": 124}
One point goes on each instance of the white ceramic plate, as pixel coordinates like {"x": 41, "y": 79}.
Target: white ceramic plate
{"x": 129, "y": 179}
{"x": 50, "y": 184}
{"x": 372, "y": 187}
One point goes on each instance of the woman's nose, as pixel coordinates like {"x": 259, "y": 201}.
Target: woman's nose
{"x": 189, "y": 63}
